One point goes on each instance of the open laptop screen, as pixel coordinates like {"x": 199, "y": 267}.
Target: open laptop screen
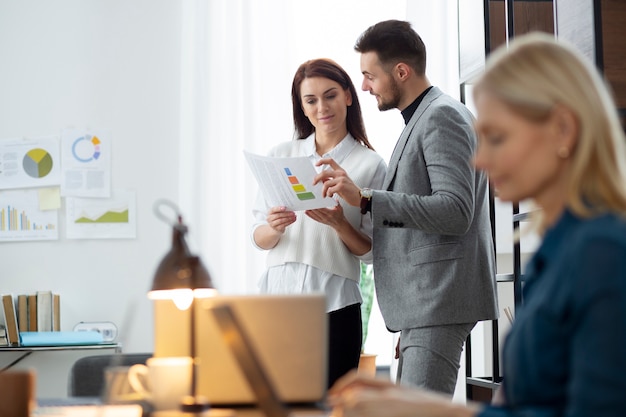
{"x": 240, "y": 345}
{"x": 288, "y": 334}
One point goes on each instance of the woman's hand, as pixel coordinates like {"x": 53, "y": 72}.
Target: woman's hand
{"x": 278, "y": 218}
{"x": 356, "y": 242}
{"x": 332, "y": 217}
{"x": 354, "y": 395}
{"x": 268, "y": 235}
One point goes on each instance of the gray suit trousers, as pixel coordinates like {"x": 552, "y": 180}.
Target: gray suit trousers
{"x": 430, "y": 356}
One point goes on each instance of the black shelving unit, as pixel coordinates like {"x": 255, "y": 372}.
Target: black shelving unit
{"x": 499, "y": 23}
{"x": 601, "y": 22}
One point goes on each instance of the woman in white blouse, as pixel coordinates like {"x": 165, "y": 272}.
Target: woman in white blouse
{"x": 320, "y": 250}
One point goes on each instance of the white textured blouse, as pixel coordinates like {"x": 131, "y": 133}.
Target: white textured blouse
{"x": 310, "y": 257}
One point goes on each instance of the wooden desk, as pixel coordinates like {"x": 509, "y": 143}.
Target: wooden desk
{"x": 94, "y": 411}
{"x": 52, "y": 364}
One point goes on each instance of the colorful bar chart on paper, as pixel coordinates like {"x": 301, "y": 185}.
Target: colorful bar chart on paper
{"x": 288, "y": 182}
{"x": 14, "y": 219}
{"x": 301, "y": 192}
{"x": 22, "y": 219}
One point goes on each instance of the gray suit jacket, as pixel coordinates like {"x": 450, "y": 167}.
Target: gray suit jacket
{"x": 433, "y": 251}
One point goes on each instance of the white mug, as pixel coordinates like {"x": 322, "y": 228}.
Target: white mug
{"x": 163, "y": 380}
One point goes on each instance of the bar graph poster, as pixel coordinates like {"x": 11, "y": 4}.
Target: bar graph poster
{"x": 102, "y": 218}
{"x": 21, "y": 219}
{"x": 86, "y": 156}
{"x": 32, "y": 162}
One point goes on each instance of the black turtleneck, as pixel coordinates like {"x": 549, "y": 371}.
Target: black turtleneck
{"x": 408, "y": 112}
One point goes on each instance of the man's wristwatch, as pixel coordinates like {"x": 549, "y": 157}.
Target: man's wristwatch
{"x": 366, "y": 200}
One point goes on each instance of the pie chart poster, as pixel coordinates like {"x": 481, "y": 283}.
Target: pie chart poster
{"x": 28, "y": 163}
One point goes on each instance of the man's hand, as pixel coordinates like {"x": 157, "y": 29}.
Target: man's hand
{"x": 336, "y": 181}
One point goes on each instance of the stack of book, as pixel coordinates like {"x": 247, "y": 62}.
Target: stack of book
{"x": 39, "y": 312}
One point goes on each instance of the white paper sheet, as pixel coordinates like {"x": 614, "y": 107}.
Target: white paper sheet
{"x": 86, "y": 163}
{"x": 102, "y": 218}
{"x": 21, "y": 217}
{"x": 30, "y": 162}
{"x": 288, "y": 182}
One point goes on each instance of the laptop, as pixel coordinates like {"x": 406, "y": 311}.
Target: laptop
{"x": 287, "y": 333}
{"x": 237, "y": 339}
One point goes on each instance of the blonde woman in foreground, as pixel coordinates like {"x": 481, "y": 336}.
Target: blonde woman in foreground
{"x": 549, "y": 131}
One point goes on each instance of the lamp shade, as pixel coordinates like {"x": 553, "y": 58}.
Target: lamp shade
{"x": 179, "y": 269}
{"x": 180, "y": 276}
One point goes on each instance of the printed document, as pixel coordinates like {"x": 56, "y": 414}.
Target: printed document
{"x": 288, "y": 182}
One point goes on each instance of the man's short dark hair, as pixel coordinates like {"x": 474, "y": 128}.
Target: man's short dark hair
{"x": 394, "y": 41}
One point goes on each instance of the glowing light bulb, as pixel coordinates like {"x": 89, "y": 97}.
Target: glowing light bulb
{"x": 182, "y": 298}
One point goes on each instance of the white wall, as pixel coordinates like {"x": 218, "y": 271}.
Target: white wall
{"x": 102, "y": 64}
{"x": 115, "y": 64}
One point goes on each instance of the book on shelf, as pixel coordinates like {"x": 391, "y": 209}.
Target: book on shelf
{"x": 22, "y": 312}
{"x": 3, "y": 335}
{"x": 39, "y": 312}
{"x": 44, "y": 311}
{"x": 32, "y": 312}
{"x": 10, "y": 319}
{"x": 89, "y": 337}
{"x": 56, "y": 313}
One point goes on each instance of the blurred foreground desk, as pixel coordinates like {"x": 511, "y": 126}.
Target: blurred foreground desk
{"x": 132, "y": 411}
{"x": 52, "y": 364}
{"x": 243, "y": 412}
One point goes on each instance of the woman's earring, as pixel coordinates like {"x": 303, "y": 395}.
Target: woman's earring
{"x": 563, "y": 152}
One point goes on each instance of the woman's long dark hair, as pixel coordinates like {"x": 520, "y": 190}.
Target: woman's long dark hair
{"x": 329, "y": 69}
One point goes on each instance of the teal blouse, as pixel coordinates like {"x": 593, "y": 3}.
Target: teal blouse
{"x": 565, "y": 354}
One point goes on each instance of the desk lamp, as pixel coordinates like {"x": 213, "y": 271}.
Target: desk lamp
{"x": 182, "y": 277}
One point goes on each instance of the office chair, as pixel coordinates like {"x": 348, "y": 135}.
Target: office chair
{"x": 87, "y": 374}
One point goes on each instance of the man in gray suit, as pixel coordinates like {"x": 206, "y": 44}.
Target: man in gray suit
{"x": 433, "y": 251}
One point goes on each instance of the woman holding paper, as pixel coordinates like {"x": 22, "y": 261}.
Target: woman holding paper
{"x": 320, "y": 250}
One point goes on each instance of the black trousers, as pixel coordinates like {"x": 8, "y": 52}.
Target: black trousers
{"x": 344, "y": 341}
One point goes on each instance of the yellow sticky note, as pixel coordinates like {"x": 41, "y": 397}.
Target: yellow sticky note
{"x": 50, "y": 198}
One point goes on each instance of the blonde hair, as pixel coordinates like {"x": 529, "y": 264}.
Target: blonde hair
{"x": 536, "y": 74}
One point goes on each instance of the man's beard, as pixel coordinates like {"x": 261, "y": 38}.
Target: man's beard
{"x": 394, "y": 101}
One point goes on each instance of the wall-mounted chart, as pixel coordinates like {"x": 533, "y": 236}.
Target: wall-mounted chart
{"x": 21, "y": 219}
{"x": 86, "y": 157}
{"x": 119, "y": 215}
{"x": 102, "y": 218}
{"x": 30, "y": 162}
{"x": 37, "y": 163}
{"x": 86, "y": 148}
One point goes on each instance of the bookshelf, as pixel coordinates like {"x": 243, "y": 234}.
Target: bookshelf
{"x": 502, "y": 20}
